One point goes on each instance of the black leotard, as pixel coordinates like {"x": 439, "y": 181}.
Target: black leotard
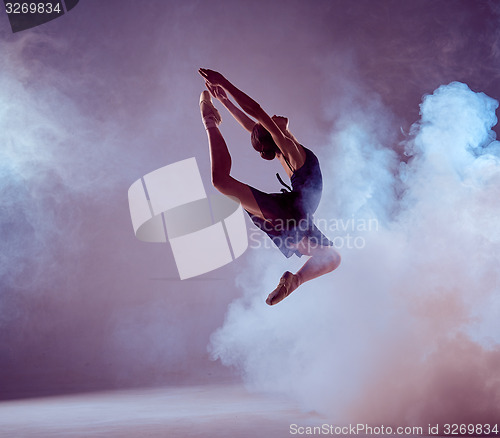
{"x": 289, "y": 215}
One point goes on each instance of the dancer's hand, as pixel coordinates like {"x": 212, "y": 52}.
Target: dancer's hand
{"x": 212, "y": 76}
{"x": 216, "y": 91}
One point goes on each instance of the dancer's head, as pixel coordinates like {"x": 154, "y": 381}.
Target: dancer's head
{"x": 262, "y": 142}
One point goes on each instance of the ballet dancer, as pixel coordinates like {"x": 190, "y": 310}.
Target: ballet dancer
{"x": 286, "y": 217}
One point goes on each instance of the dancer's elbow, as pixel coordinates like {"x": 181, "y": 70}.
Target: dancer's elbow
{"x": 220, "y": 182}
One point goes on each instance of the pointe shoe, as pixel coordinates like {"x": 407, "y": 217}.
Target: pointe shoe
{"x": 209, "y": 114}
{"x": 285, "y": 288}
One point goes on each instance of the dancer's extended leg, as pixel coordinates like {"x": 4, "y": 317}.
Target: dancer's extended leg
{"x": 220, "y": 159}
{"x": 323, "y": 259}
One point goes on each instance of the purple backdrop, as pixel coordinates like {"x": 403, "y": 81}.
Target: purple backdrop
{"x": 94, "y": 100}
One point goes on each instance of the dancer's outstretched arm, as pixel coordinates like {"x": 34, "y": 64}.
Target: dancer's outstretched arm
{"x": 219, "y": 93}
{"x": 293, "y": 152}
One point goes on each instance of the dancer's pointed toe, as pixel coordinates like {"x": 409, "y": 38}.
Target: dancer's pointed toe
{"x": 209, "y": 114}
{"x": 205, "y": 96}
{"x": 285, "y": 287}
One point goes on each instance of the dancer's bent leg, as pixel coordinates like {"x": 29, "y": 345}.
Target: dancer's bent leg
{"x": 220, "y": 159}
{"x": 323, "y": 259}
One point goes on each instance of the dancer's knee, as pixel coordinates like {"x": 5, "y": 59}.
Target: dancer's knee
{"x": 327, "y": 256}
{"x": 330, "y": 258}
{"x": 334, "y": 259}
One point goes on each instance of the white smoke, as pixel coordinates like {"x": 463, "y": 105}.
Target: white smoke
{"x": 405, "y": 327}
{"x": 55, "y": 157}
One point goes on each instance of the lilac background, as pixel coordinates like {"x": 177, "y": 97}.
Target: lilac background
{"x": 94, "y": 100}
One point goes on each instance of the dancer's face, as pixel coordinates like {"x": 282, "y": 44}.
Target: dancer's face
{"x": 281, "y": 122}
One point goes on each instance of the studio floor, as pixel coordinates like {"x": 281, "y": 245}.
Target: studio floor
{"x": 220, "y": 411}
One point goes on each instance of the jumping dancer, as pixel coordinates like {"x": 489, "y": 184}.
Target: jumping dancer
{"x": 287, "y": 217}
